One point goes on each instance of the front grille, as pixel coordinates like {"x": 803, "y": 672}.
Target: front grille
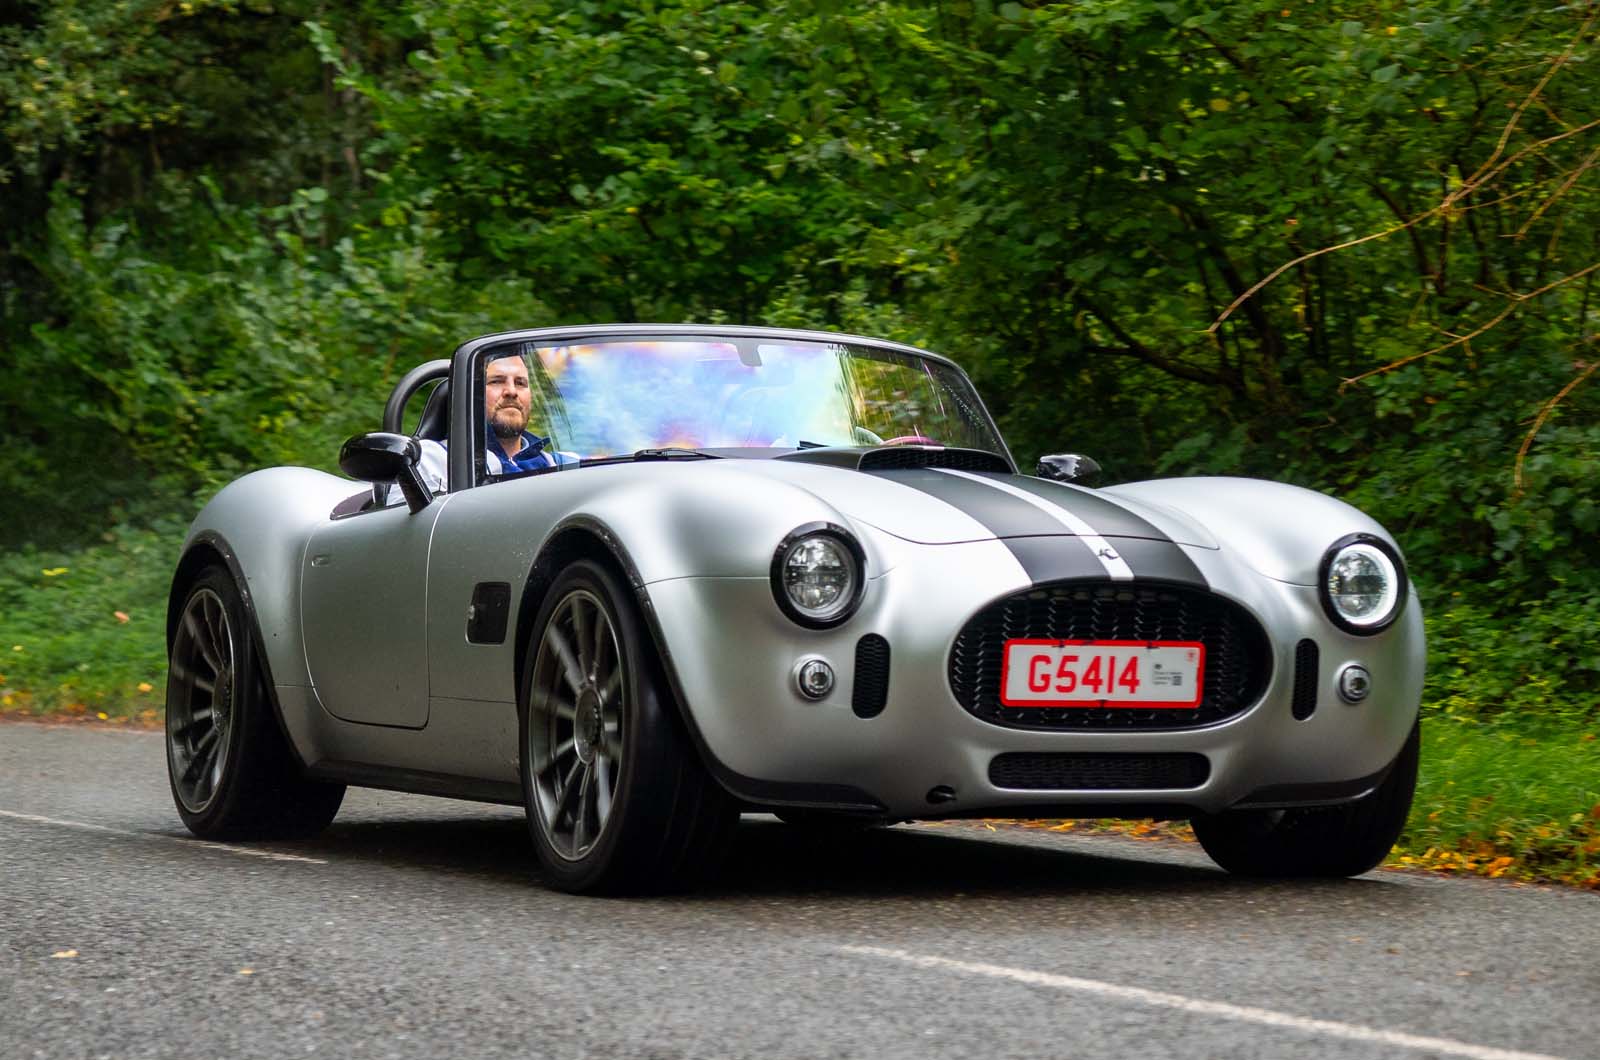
{"x": 1098, "y": 772}
{"x": 898, "y": 458}
{"x": 1237, "y": 667}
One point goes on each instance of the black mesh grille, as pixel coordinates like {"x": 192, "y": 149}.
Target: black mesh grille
{"x": 896, "y": 458}
{"x": 871, "y": 690}
{"x": 1237, "y": 667}
{"x": 1306, "y": 658}
{"x": 1099, "y": 772}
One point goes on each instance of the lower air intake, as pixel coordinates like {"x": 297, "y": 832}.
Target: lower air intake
{"x": 1306, "y": 658}
{"x": 871, "y": 690}
{"x": 1033, "y": 771}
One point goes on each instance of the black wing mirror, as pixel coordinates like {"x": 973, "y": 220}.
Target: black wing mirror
{"x": 382, "y": 458}
{"x": 1068, "y": 467}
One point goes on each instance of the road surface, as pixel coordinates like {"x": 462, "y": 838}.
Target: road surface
{"x": 417, "y": 927}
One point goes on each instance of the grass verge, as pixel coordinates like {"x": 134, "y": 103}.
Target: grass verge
{"x": 1497, "y": 803}
{"x": 81, "y": 635}
{"x": 82, "y": 632}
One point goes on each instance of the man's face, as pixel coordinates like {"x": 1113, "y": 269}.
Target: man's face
{"x": 506, "y": 397}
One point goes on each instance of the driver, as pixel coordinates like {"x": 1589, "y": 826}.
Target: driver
{"x": 507, "y": 400}
{"x": 508, "y": 446}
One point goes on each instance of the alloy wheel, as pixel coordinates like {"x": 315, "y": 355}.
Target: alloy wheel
{"x": 201, "y": 699}
{"x": 575, "y": 724}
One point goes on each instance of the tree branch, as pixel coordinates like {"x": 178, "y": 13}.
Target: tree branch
{"x": 1132, "y": 347}
{"x": 1544, "y": 414}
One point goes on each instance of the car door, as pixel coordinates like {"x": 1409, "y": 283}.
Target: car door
{"x": 363, "y": 613}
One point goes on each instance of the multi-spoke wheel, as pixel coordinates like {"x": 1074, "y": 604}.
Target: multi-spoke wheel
{"x": 616, "y": 798}
{"x": 200, "y": 699}
{"x": 231, "y": 770}
{"x": 1328, "y": 841}
{"x": 575, "y": 732}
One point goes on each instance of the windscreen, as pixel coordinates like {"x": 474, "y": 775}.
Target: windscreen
{"x": 617, "y": 397}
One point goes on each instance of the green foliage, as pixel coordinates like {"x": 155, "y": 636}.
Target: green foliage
{"x": 1500, "y": 803}
{"x": 227, "y": 225}
{"x": 84, "y": 629}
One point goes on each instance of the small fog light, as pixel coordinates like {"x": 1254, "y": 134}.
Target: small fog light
{"x": 1354, "y": 683}
{"x": 814, "y": 678}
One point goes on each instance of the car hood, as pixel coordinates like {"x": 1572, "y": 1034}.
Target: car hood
{"x": 945, "y": 506}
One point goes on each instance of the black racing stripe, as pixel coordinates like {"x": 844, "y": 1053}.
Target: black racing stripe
{"x": 1039, "y": 542}
{"x": 1106, "y": 516}
{"x": 1054, "y": 559}
{"x": 1159, "y": 560}
{"x": 1003, "y": 514}
{"x": 1042, "y": 544}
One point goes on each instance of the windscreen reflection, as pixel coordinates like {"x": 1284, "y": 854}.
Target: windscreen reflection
{"x": 613, "y": 398}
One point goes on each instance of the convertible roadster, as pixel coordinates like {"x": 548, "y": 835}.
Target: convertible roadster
{"x": 787, "y": 572}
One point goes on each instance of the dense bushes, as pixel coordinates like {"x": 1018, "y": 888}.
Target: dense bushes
{"x": 226, "y": 230}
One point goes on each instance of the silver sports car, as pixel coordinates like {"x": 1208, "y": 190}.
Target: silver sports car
{"x": 639, "y": 579}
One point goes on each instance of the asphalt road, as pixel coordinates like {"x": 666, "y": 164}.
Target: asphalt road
{"x": 417, "y": 927}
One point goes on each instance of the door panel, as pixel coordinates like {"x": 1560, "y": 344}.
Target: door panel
{"x": 489, "y": 537}
{"x": 364, "y": 615}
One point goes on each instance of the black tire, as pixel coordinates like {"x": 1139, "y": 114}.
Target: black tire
{"x": 621, "y": 803}
{"x": 1325, "y": 841}
{"x": 231, "y": 771}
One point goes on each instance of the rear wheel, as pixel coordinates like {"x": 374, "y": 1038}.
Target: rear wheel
{"x": 1329, "y": 841}
{"x": 230, "y": 768}
{"x": 617, "y": 799}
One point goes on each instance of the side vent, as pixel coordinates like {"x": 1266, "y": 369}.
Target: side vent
{"x": 871, "y": 692}
{"x": 488, "y": 612}
{"x": 1306, "y": 658}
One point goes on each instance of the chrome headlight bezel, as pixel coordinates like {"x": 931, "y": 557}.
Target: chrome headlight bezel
{"x": 1399, "y": 588}
{"x": 847, "y": 544}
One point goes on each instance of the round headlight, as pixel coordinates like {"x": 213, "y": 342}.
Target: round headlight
{"x": 817, "y": 575}
{"x": 1363, "y": 584}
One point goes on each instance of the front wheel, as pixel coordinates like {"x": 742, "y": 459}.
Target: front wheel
{"x": 230, "y": 767}
{"x": 617, "y": 799}
{"x": 1326, "y": 841}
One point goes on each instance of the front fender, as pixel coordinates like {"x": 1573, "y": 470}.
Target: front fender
{"x": 262, "y": 521}
{"x": 1278, "y": 530}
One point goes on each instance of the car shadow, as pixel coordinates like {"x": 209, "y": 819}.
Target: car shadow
{"x": 769, "y": 859}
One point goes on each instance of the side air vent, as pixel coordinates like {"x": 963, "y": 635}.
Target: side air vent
{"x": 1306, "y": 658}
{"x": 871, "y": 690}
{"x": 1107, "y": 771}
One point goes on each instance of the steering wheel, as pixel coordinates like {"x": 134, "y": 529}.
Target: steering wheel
{"x": 910, "y": 439}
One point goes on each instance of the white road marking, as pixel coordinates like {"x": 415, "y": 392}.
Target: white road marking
{"x": 1117, "y": 568}
{"x": 1354, "y": 1032}
{"x": 270, "y": 855}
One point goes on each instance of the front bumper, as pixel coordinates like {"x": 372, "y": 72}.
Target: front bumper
{"x": 732, "y": 654}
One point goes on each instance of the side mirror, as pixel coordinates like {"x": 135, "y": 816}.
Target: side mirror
{"x": 382, "y": 458}
{"x": 1068, "y": 467}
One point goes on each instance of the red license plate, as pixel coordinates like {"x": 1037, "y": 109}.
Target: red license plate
{"x": 1139, "y": 674}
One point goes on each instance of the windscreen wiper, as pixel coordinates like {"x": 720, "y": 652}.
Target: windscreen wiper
{"x": 674, "y": 453}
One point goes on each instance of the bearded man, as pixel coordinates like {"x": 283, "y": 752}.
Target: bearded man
{"x": 507, "y": 401}
{"x": 509, "y": 447}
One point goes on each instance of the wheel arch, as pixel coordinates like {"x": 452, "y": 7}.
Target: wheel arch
{"x": 575, "y": 538}
{"x": 587, "y": 537}
{"x": 207, "y": 549}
